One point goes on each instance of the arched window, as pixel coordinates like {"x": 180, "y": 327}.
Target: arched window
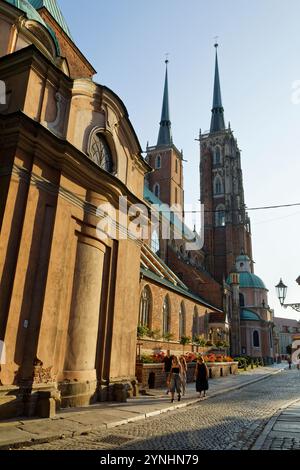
{"x": 256, "y": 339}
{"x": 145, "y": 307}
{"x": 166, "y": 316}
{"x": 242, "y": 300}
{"x": 220, "y": 216}
{"x": 155, "y": 242}
{"x": 195, "y": 330}
{"x": 217, "y": 156}
{"x": 181, "y": 320}
{"x": 100, "y": 153}
{"x": 176, "y": 195}
{"x": 156, "y": 190}
{"x": 218, "y": 187}
{"x": 176, "y": 166}
{"x": 158, "y": 162}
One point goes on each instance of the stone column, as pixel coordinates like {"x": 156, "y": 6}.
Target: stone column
{"x": 80, "y": 381}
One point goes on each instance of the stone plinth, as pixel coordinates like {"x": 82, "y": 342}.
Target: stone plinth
{"x": 151, "y": 375}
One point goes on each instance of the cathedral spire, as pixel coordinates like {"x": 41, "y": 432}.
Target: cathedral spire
{"x": 165, "y": 133}
{"x": 217, "y": 120}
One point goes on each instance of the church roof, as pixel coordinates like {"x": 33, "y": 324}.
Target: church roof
{"x": 32, "y": 14}
{"x": 54, "y": 10}
{"x": 248, "y": 279}
{"x": 251, "y": 280}
{"x": 249, "y": 315}
{"x": 165, "y": 133}
{"x": 217, "y": 119}
{"x": 27, "y": 8}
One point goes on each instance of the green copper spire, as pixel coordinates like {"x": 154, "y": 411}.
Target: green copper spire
{"x": 165, "y": 133}
{"x": 54, "y": 10}
{"x": 217, "y": 120}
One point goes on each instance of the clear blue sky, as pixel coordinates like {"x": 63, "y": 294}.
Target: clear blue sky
{"x": 259, "y": 58}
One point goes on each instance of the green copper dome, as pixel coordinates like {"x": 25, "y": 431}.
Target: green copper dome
{"x": 249, "y": 280}
{"x": 248, "y": 315}
{"x": 32, "y": 14}
{"x": 54, "y": 10}
{"x": 30, "y": 11}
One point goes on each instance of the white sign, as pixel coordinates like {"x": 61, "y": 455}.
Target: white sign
{"x": 2, "y": 92}
{"x": 2, "y": 353}
{"x": 296, "y": 353}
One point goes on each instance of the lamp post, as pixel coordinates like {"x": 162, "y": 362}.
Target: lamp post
{"x": 281, "y": 290}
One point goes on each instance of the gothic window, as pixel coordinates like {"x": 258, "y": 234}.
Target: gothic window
{"x": 196, "y": 328}
{"x": 256, "y": 339}
{"x": 220, "y": 216}
{"x": 181, "y": 320}
{"x": 166, "y": 316}
{"x": 218, "y": 187}
{"x": 100, "y": 153}
{"x": 145, "y": 307}
{"x": 156, "y": 190}
{"x": 158, "y": 162}
{"x": 155, "y": 242}
{"x": 242, "y": 300}
{"x": 176, "y": 165}
{"x": 217, "y": 156}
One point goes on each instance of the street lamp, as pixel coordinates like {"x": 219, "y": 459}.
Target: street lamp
{"x": 281, "y": 290}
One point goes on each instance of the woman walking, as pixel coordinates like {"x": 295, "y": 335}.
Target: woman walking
{"x": 201, "y": 376}
{"x": 175, "y": 384}
{"x": 183, "y": 373}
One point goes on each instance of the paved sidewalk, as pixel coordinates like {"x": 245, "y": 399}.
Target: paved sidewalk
{"x": 282, "y": 431}
{"x": 70, "y": 423}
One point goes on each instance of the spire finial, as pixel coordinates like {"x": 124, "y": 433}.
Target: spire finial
{"x": 167, "y": 58}
{"x": 216, "y": 45}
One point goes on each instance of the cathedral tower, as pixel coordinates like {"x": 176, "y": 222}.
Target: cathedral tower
{"x": 166, "y": 181}
{"x": 227, "y": 225}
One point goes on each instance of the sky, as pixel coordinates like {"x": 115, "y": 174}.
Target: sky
{"x": 259, "y": 59}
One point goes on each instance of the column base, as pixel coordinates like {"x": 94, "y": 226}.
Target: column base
{"x": 77, "y": 394}
{"x": 29, "y": 400}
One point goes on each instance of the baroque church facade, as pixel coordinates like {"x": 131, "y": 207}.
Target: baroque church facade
{"x": 71, "y": 294}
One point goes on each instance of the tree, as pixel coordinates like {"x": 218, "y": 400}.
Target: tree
{"x": 184, "y": 340}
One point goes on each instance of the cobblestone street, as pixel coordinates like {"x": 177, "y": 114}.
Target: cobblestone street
{"x": 233, "y": 420}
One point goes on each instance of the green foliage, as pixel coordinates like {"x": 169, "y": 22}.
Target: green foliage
{"x": 242, "y": 362}
{"x": 168, "y": 336}
{"x": 154, "y": 334}
{"x": 209, "y": 343}
{"x": 184, "y": 340}
{"x": 142, "y": 331}
{"x": 199, "y": 340}
{"x": 222, "y": 344}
